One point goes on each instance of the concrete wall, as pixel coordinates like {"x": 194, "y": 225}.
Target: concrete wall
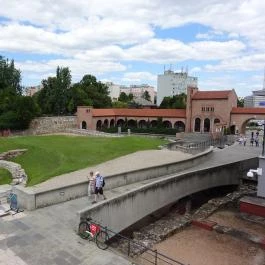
{"x": 124, "y": 210}
{"x": 39, "y": 197}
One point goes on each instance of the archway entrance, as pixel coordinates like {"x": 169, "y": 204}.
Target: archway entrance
{"x": 83, "y": 126}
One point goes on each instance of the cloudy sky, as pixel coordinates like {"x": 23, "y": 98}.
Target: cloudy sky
{"x": 131, "y": 41}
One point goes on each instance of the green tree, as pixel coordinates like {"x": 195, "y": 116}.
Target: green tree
{"x": 240, "y": 102}
{"x": 119, "y": 104}
{"x": 123, "y": 97}
{"x": 53, "y": 98}
{"x": 96, "y": 92}
{"x": 146, "y": 95}
{"x": 10, "y": 77}
{"x": 16, "y": 111}
{"x": 175, "y": 102}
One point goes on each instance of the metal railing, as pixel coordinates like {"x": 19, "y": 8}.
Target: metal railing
{"x": 197, "y": 147}
{"x": 137, "y": 252}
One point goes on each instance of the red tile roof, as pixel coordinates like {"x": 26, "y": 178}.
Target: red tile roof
{"x": 248, "y": 111}
{"x": 170, "y": 113}
{"x": 221, "y": 94}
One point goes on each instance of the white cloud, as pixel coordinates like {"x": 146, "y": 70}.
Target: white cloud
{"x": 243, "y": 63}
{"x": 169, "y": 50}
{"x": 139, "y": 77}
{"x": 78, "y": 68}
{"x": 98, "y": 36}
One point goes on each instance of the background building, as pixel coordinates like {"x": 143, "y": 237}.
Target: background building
{"x": 170, "y": 84}
{"x": 114, "y": 90}
{"x": 31, "y": 90}
{"x": 136, "y": 90}
{"x": 257, "y": 100}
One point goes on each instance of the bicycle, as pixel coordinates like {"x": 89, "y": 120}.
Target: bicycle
{"x": 93, "y": 231}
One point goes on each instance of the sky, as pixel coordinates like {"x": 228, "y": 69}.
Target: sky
{"x": 132, "y": 41}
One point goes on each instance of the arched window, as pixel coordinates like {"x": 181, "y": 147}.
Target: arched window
{"x": 180, "y": 126}
{"x": 142, "y": 124}
{"x": 112, "y": 123}
{"x": 153, "y": 124}
{"x": 120, "y": 123}
{"x": 132, "y": 123}
{"x": 216, "y": 121}
{"x": 99, "y": 124}
{"x": 197, "y": 125}
{"x": 167, "y": 124}
{"x": 207, "y": 125}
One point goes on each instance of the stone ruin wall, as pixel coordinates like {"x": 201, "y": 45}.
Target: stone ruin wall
{"x": 45, "y": 125}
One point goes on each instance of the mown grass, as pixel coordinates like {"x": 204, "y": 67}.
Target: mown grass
{"x": 5, "y": 176}
{"x": 52, "y": 155}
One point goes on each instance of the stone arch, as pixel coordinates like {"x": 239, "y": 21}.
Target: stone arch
{"x": 197, "y": 125}
{"x": 142, "y": 124}
{"x": 180, "y": 125}
{"x": 106, "y": 123}
{"x": 233, "y": 129}
{"x": 83, "y": 125}
{"x": 216, "y": 120}
{"x": 153, "y": 123}
{"x": 132, "y": 123}
{"x": 120, "y": 123}
{"x": 206, "y": 125}
{"x": 99, "y": 124}
{"x": 112, "y": 123}
{"x": 167, "y": 124}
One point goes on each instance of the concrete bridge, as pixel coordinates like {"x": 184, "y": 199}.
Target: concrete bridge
{"x": 221, "y": 168}
{"x": 134, "y": 194}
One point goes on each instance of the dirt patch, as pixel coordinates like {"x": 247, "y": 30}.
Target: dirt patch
{"x": 233, "y": 219}
{"x": 197, "y": 246}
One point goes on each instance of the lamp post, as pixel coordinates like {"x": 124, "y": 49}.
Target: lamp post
{"x": 263, "y": 142}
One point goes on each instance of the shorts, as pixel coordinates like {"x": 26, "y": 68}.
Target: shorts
{"x": 99, "y": 190}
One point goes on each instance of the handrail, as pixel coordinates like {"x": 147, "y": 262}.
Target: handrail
{"x": 151, "y": 256}
{"x": 201, "y": 146}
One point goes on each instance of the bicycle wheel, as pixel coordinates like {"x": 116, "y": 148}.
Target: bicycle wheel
{"x": 82, "y": 230}
{"x": 101, "y": 239}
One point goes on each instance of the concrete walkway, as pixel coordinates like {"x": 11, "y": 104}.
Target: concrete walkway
{"x": 46, "y": 236}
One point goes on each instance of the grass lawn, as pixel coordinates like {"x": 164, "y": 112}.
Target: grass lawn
{"x": 53, "y": 155}
{"x": 5, "y": 176}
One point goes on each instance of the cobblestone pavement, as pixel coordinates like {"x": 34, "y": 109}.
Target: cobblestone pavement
{"x": 46, "y": 236}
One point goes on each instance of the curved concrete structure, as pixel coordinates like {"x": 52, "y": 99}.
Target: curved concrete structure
{"x": 60, "y": 191}
{"x": 126, "y": 209}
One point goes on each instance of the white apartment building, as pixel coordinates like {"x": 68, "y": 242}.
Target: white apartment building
{"x": 256, "y": 100}
{"x": 136, "y": 90}
{"x": 171, "y": 84}
{"x": 114, "y": 90}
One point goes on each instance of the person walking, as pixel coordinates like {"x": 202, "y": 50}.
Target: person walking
{"x": 91, "y": 184}
{"x": 99, "y": 184}
{"x": 245, "y": 140}
{"x": 257, "y": 141}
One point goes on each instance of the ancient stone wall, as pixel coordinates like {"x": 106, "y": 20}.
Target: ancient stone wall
{"x": 45, "y": 125}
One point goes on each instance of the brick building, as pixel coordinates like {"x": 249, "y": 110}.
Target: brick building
{"x": 206, "y": 111}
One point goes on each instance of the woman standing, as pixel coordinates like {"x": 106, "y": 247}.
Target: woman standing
{"x": 91, "y": 184}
